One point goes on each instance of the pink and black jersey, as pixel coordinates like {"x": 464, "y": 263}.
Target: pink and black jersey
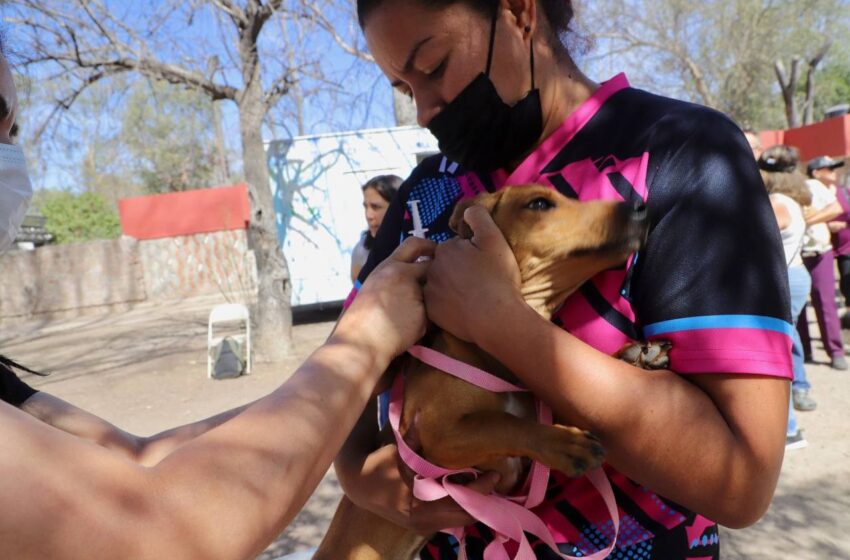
{"x": 711, "y": 279}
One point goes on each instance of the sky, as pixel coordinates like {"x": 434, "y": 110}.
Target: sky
{"x": 341, "y": 92}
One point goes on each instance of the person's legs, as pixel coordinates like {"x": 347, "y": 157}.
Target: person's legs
{"x": 799, "y": 283}
{"x": 793, "y": 436}
{"x": 822, "y": 270}
{"x": 802, "y": 328}
{"x": 844, "y": 277}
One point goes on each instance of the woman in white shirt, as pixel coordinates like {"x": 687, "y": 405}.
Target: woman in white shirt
{"x": 788, "y": 196}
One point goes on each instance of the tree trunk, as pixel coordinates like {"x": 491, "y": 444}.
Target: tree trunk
{"x": 809, "y": 103}
{"x": 273, "y": 314}
{"x": 788, "y": 86}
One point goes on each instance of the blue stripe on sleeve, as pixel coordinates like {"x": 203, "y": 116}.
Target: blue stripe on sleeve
{"x": 718, "y": 322}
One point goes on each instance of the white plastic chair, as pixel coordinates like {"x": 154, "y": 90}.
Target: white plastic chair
{"x": 228, "y": 313}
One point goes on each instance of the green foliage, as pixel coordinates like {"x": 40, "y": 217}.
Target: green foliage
{"x": 73, "y": 217}
{"x": 168, "y": 133}
{"x": 722, "y": 53}
{"x": 833, "y": 87}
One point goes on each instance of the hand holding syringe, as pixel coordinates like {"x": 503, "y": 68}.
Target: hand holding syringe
{"x": 418, "y": 230}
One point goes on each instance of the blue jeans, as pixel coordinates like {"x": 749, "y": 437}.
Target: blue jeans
{"x": 799, "y": 282}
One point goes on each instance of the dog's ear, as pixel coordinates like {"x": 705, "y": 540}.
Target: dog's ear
{"x": 490, "y": 201}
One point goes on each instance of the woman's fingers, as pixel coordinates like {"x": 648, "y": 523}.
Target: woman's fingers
{"x": 412, "y": 249}
{"x": 485, "y": 233}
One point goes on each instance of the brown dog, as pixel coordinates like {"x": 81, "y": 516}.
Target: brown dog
{"x": 559, "y": 244}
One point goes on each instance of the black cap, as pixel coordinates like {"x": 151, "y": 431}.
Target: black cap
{"x": 823, "y": 162}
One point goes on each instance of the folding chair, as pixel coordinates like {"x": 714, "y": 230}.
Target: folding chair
{"x": 228, "y": 313}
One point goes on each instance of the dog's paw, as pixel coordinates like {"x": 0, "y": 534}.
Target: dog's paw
{"x": 651, "y": 355}
{"x": 571, "y": 450}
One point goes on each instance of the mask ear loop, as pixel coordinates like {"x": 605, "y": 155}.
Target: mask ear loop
{"x": 492, "y": 42}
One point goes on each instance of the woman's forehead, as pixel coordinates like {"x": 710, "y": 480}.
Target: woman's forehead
{"x": 397, "y": 29}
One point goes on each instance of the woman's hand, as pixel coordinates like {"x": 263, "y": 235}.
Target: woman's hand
{"x": 388, "y": 312}
{"x": 385, "y": 489}
{"x": 470, "y": 276}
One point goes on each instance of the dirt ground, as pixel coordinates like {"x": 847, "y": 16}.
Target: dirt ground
{"x": 145, "y": 370}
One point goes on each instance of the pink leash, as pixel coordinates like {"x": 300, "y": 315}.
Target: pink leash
{"x": 510, "y": 517}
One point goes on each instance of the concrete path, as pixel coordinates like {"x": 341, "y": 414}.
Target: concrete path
{"x": 145, "y": 370}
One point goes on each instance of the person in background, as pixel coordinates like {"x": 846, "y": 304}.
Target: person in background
{"x": 819, "y": 258}
{"x": 378, "y": 192}
{"x": 788, "y": 196}
{"x": 823, "y": 169}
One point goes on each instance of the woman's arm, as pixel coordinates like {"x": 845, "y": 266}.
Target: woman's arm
{"x": 146, "y": 451}
{"x": 783, "y": 217}
{"x": 229, "y": 492}
{"x": 631, "y": 410}
{"x": 825, "y": 214}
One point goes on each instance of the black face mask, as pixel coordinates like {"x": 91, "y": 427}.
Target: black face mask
{"x": 483, "y": 133}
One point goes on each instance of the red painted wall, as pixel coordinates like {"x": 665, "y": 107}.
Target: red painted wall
{"x": 830, "y": 137}
{"x": 185, "y": 213}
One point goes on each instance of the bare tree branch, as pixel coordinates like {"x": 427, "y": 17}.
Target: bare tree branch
{"x": 809, "y": 102}
{"x": 788, "y": 86}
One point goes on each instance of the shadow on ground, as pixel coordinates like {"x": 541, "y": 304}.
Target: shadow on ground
{"x": 309, "y": 527}
{"x": 805, "y": 521}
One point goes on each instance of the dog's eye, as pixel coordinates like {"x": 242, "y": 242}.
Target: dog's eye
{"x": 540, "y": 203}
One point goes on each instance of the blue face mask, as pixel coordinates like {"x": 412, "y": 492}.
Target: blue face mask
{"x": 15, "y": 193}
{"x": 483, "y": 133}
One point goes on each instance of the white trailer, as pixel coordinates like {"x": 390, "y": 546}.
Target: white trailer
{"x": 316, "y": 184}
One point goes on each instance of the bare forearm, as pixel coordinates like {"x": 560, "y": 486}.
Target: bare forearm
{"x": 261, "y": 480}
{"x": 825, "y": 214}
{"x": 654, "y": 425}
{"x": 250, "y": 475}
{"x": 78, "y": 422}
{"x": 143, "y": 450}
{"x": 151, "y": 450}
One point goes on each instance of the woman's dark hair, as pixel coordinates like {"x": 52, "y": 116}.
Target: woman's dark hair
{"x": 778, "y": 165}
{"x": 12, "y": 390}
{"x": 558, "y": 13}
{"x": 779, "y": 158}
{"x": 9, "y": 364}
{"x": 387, "y": 186}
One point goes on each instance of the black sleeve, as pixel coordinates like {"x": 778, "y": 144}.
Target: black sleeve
{"x": 714, "y": 248}
{"x": 13, "y": 390}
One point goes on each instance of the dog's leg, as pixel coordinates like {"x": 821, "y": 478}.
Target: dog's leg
{"x": 487, "y": 437}
{"x": 358, "y": 534}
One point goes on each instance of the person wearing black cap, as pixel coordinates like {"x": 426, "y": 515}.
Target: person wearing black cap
{"x": 824, "y": 169}
{"x": 818, "y": 257}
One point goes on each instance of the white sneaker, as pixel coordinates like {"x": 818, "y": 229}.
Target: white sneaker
{"x": 797, "y": 441}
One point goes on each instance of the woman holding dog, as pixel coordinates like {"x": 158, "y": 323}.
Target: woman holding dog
{"x": 687, "y": 448}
